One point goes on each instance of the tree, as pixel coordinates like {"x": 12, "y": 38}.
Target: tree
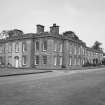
{"x": 97, "y": 45}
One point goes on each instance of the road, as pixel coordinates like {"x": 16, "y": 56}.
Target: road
{"x": 54, "y": 88}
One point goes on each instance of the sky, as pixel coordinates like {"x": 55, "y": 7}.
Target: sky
{"x": 85, "y": 17}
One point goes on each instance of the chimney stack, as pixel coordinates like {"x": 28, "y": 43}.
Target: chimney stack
{"x": 40, "y": 28}
{"x": 54, "y": 29}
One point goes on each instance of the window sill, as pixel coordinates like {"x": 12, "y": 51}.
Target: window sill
{"x": 24, "y": 64}
{"x": 16, "y": 51}
{"x": 36, "y": 64}
{"x": 24, "y": 51}
{"x": 44, "y": 50}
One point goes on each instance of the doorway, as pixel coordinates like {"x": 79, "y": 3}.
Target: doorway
{"x": 16, "y": 61}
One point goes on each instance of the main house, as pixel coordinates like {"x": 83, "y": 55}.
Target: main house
{"x": 45, "y": 50}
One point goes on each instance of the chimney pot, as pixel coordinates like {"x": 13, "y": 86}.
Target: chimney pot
{"x": 40, "y": 28}
{"x": 54, "y": 29}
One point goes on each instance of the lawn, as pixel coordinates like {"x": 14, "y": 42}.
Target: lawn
{"x": 75, "y": 89}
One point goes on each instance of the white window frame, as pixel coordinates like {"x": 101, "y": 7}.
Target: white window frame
{"x": 36, "y": 45}
{"x": 17, "y": 48}
{"x": 55, "y": 60}
{"x": 1, "y": 49}
{"x": 79, "y": 50}
{"x": 9, "y": 59}
{"x": 24, "y": 44}
{"x": 45, "y": 60}
{"x": 10, "y": 47}
{"x": 0, "y": 59}
{"x": 60, "y": 60}
{"x": 70, "y": 61}
{"x": 35, "y": 60}
{"x": 60, "y": 46}
{"x": 75, "y": 61}
{"x": 75, "y": 52}
{"x": 23, "y": 47}
{"x": 24, "y": 60}
{"x": 55, "y": 46}
{"x": 44, "y": 45}
{"x": 70, "y": 49}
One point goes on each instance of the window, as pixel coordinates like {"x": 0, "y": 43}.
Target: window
{"x": 10, "y": 47}
{"x": 91, "y": 53}
{"x": 79, "y": 51}
{"x": 44, "y": 59}
{"x": 60, "y": 60}
{"x": 60, "y": 47}
{"x": 55, "y": 46}
{"x": 75, "y": 50}
{"x": 24, "y": 46}
{"x": 36, "y": 60}
{"x": 78, "y": 61}
{"x": 70, "y": 49}
{"x": 24, "y": 60}
{"x": 37, "y": 46}
{"x": 16, "y": 47}
{"x": 83, "y": 62}
{"x": 0, "y": 49}
{"x": 9, "y": 60}
{"x": 70, "y": 59}
{"x": 83, "y": 51}
{"x": 44, "y": 45}
{"x": 87, "y": 53}
{"x": 74, "y": 61}
{"x": 55, "y": 61}
{"x": 1, "y": 60}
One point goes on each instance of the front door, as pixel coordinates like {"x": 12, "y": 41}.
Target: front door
{"x": 16, "y": 61}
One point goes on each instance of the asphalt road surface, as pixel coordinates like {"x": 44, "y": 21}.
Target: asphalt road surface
{"x": 54, "y": 88}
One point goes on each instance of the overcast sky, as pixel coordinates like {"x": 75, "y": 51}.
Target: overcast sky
{"x": 85, "y": 17}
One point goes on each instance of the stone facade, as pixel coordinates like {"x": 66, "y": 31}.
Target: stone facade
{"x": 45, "y": 50}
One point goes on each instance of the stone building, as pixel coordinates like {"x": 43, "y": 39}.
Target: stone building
{"x": 45, "y": 50}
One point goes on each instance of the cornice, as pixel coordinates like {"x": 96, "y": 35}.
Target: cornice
{"x": 46, "y": 34}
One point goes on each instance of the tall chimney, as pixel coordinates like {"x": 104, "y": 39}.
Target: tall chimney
{"x": 54, "y": 29}
{"x": 40, "y": 28}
